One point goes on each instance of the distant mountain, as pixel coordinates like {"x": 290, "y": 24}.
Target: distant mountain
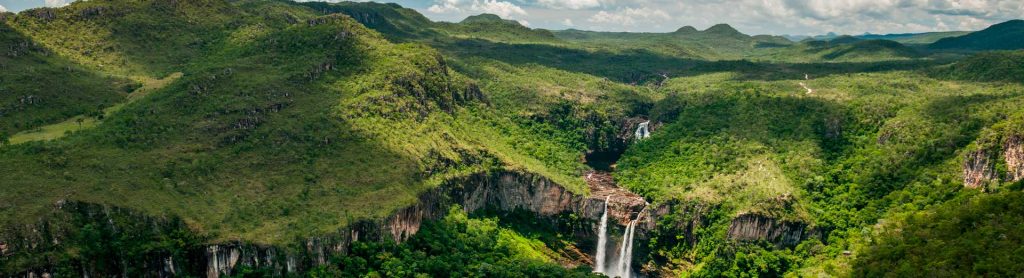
{"x": 718, "y": 41}
{"x": 844, "y": 39}
{"x": 852, "y": 49}
{"x": 488, "y": 18}
{"x": 495, "y": 28}
{"x": 724, "y": 30}
{"x": 391, "y": 20}
{"x": 913, "y": 38}
{"x": 1003, "y": 36}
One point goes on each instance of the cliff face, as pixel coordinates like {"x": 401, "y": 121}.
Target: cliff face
{"x": 623, "y": 205}
{"x": 977, "y": 169}
{"x": 754, "y": 227}
{"x": 503, "y": 191}
{"x": 1014, "y": 155}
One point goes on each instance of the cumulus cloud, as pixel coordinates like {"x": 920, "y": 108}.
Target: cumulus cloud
{"x": 569, "y": 4}
{"x": 501, "y": 8}
{"x": 630, "y": 16}
{"x": 56, "y": 3}
{"x": 568, "y": 22}
{"x": 2, "y": 9}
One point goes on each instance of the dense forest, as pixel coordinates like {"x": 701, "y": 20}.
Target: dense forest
{"x": 272, "y": 138}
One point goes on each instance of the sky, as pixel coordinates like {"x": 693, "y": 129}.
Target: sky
{"x": 777, "y": 17}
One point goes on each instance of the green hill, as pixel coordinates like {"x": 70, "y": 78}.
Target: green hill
{"x": 915, "y": 38}
{"x": 141, "y": 138}
{"x": 38, "y": 87}
{"x": 494, "y": 28}
{"x": 1003, "y": 36}
{"x": 314, "y": 92}
{"x": 1005, "y": 66}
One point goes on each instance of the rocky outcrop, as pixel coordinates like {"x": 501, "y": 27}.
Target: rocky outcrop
{"x": 1013, "y": 152}
{"x": 501, "y": 191}
{"x": 623, "y": 205}
{"x": 978, "y": 169}
{"x": 755, "y": 227}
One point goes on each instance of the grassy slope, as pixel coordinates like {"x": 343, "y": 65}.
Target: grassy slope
{"x": 246, "y": 150}
{"x": 857, "y": 150}
{"x": 262, "y": 140}
{"x": 81, "y": 122}
{"x": 38, "y": 87}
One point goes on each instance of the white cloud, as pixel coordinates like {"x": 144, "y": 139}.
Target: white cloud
{"x": 2, "y": 9}
{"x": 501, "y": 8}
{"x": 630, "y": 16}
{"x": 568, "y": 22}
{"x": 569, "y": 4}
{"x": 57, "y": 3}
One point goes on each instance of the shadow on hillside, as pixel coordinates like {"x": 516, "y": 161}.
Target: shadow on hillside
{"x": 639, "y": 66}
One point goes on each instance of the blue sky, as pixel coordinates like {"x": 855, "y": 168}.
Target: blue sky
{"x": 749, "y": 16}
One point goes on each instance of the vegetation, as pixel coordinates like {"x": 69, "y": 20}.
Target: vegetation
{"x": 1002, "y": 36}
{"x": 271, "y": 121}
{"x": 456, "y": 246}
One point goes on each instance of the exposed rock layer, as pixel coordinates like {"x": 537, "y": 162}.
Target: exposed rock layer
{"x": 754, "y": 227}
{"x": 1014, "y": 155}
{"x": 977, "y": 169}
{"x": 503, "y": 191}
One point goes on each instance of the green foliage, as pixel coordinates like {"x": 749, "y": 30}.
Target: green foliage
{"x": 38, "y": 87}
{"x": 291, "y": 120}
{"x": 456, "y": 246}
{"x": 975, "y": 235}
{"x": 1002, "y": 36}
{"x": 1006, "y": 66}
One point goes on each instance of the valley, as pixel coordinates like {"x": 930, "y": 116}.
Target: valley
{"x": 272, "y": 138}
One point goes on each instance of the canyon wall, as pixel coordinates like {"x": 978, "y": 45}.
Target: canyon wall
{"x": 34, "y": 250}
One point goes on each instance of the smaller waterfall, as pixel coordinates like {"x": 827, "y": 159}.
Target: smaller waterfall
{"x": 602, "y": 240}
{"x": 642, "y": 132}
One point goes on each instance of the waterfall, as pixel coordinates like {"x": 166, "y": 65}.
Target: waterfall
{"x": 624, "y": 265}
{"x": 642, "y": 132}
{"x": 602, "y": 240}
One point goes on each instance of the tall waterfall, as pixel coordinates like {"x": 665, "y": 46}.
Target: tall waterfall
{"x": 602, "y": 240}
{"x": 623, "y": 267}
{"x": 642, "y": 132}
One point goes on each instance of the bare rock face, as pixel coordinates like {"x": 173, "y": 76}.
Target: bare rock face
{"x": 978, "y": 169}
{"x": 503, "y": 191}
{"x": 1014, "y": 155}
{"x": 623, "y": 205}
{"x": 754, "y": 227}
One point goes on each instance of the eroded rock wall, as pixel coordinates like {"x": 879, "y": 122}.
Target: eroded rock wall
{"x": 1013, "y": 152}
{"x": 977, "y": 169}
{"x": 755, "y": 227}
{"x": 503, "y": 191}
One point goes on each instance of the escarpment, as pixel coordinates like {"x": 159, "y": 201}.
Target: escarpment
{"x": 754, "y": 227}
{"x": 184, "y": 251}
{"x": 1013, "y": 152}
{"x": 977, "y": 169}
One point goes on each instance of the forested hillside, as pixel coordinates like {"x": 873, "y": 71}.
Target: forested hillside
{"x": 261, "y": 138}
